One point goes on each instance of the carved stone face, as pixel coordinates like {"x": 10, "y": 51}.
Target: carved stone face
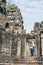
{"x": 17, "y": 21}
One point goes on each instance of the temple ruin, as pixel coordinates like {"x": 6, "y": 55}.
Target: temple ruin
{"x": 17, "y": 46}
{"x": 13, "y": 35}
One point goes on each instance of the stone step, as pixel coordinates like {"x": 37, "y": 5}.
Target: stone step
{"x": 31, "y": 58}
{"x": 34, "y": 63}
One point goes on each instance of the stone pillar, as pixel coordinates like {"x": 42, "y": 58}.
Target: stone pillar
{"x": 24, "y": 47}
{"x": 14, "y": 46}
{"x": 19, "y": 48}
{"x": 38, "y": 46}
{"x": 10, "y": 46}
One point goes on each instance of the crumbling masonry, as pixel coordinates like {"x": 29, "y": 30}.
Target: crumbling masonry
{"x": 15, "y": 44}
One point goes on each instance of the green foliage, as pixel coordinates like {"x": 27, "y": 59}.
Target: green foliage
{"x": 8, "y": 5}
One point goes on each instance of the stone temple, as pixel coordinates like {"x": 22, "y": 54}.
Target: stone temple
{"x": 12, "y": 34}
{"x": 16, "y": 46}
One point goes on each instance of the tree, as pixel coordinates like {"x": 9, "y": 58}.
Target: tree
{"x": 8, "y": 5}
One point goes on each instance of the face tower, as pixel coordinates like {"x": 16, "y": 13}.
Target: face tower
{"x": 15, "y": 19}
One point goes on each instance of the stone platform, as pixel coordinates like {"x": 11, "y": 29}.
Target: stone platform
{"x": 24, "y": 63}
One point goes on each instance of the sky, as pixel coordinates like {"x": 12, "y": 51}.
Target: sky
{"x": 31, "y": 10}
